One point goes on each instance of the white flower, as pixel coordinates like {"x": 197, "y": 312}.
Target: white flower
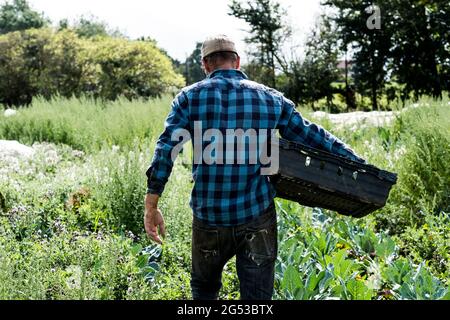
{"x": 51, "y": 157}
{"x": 399, "y": 152}
{"x": 319, "y": 114}
{"x": 74, "y": 280}
{"x": 77, "y": 154}
{"x": 10, "y": 112}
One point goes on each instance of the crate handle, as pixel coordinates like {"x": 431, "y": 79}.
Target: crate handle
{"x": 308, "y": 161}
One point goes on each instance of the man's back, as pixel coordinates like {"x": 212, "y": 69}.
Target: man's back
{"x": 229, "y": 187}
{"x": 232, "y": 190}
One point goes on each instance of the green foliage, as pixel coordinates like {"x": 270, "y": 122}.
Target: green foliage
{"x": 71, "y": 221}
{"x": 310, "y": 79}
{"x": 267, "y": 31}
{"x": 89, "y": 27}
{"x": 47, "y": 63}
{"x": 119, "y": 187}
{"x": 17, "y": 15}
{"x": 132, "y": 69}
{"x": 65, "y": 266}
{"x": 409, "y": 48}
{"x": 407, "y": 57}
{"x": 121, "y": 122}
{"x": 424, "y": 176}
{"x": 192, "y": 67}
{"x": 260, "y": 73}
{"x": 412, "y": 284}
{"x": 428, "y": 38}
{"x": 338, "y": 258}
{"x": 429, "y": 243}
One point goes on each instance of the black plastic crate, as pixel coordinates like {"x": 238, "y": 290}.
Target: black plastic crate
{"x": 316, "y": 178}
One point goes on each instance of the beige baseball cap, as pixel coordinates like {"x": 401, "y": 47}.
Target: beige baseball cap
{"x": 218, "y": 43}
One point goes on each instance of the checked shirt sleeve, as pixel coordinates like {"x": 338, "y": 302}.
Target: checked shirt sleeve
{"x": 295, "y": 128}
{"x": 162, "y": 164}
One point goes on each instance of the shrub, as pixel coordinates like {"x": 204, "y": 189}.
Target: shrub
{"x": 67, "y": 266}
{"x": 424, "y": 177}
{"x": 48, "y": 63}
{"x": 429, "y": 243}
{"x": 131, "y": 69}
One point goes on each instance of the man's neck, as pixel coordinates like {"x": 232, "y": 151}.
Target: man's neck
{"x": 224, "y": 67}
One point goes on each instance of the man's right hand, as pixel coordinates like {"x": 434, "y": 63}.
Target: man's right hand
{"x": 153, "y": 219}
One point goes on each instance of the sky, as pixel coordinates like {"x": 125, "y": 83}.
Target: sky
{"x": 175, "y": 24}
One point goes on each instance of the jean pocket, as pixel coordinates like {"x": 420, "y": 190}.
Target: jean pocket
{"x": 261, "y": 244}
{"x": 205, "y": 243}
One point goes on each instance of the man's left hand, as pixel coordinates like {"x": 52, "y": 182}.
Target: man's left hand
{"x": 153, "y": 219}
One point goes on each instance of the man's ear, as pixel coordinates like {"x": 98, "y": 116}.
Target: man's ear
{"x": 205, "y": 67}
{"x": 238, "y": 63}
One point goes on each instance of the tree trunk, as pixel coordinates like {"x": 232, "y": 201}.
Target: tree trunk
{"x": 347, "y": 90}
{"x": 374, "y": 96}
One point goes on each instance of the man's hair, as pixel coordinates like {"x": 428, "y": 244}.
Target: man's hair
{"x": 218, "y": 58}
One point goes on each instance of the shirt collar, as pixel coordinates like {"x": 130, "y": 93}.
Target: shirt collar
{"x": 227, "y": 73}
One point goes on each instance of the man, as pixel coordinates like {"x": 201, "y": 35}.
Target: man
{"x": 234, "y": 212}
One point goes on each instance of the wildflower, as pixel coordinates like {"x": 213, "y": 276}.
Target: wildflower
{"x": 74, "y": 280}
{"x": 52, "y": 157}
{"x": 77, "y": 154}
{"x": 10, "y": 112}
{"x": 130, "y": 235}
{"x": 399, "y": 152}
{"x": 100, "y": 236}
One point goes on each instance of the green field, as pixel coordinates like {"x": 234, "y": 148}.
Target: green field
{"x": 71, "y": 222}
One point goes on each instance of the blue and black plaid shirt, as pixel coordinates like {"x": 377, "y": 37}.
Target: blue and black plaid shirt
{"x": 232, "y": 194}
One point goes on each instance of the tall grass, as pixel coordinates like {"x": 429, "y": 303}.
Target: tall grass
{"x": 420, "y": 139}
{"x": 86, "y": 124}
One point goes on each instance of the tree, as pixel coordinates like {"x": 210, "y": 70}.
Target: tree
{"x": 409, "y": 48}
{"x": 89, "y": 27}
{"x": 313, "y": 77}
{"x": 370, "y": 45}
{"x": 321, "y": 62}
{"x": 421, "y": 55}
{"x": 18, "y": 15}
{"x": 267, "y": 32}
{"x": 259, "y": 73}
{"x": 192, "y": 67}
{"x": 43, "y": 62}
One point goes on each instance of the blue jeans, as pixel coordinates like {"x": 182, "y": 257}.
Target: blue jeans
{"x": 255, "y": 246}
